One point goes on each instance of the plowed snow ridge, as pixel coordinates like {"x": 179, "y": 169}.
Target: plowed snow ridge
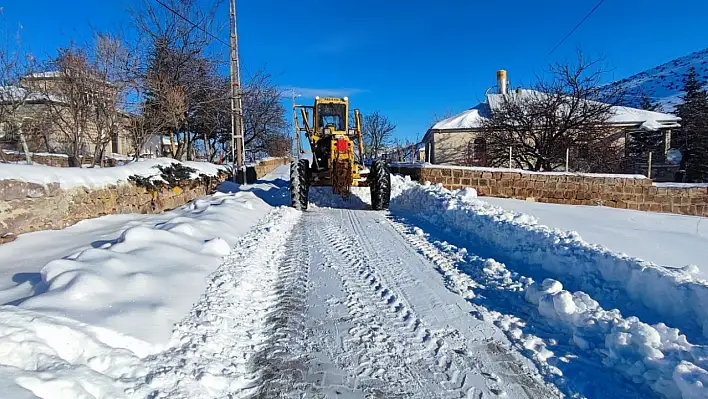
{"x": 216, "y": 344}
{"x": 653, "y": 356}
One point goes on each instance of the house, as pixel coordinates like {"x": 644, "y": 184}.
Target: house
{"x": 460, "y": 140}
{"x": 27, "y": 115}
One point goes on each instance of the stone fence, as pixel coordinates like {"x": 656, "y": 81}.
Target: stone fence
{"x": 58, "y": 160}
{"x": 618, "y": 191}
{"x": 27, "y": 207}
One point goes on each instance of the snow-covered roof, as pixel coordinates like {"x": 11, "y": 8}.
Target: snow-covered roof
{"x": 468, "y": 119}
{"x": 48, "y": 74}
{"x": 13, "y": 93}
{"x": 473, "y": 117}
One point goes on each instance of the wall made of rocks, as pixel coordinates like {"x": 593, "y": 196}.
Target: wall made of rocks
{"x": 618, "y": 192}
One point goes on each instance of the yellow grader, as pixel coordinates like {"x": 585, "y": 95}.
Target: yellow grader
{"x": 332, "y": 137}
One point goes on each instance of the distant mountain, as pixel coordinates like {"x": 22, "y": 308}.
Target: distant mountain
{"x": 663, "y": 84}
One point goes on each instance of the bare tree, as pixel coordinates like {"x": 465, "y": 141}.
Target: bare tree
{"x": 14, "y": 64}
{"x": 178, "y": 67}
{"x": 567, "y": 111}
{"x": 142, "y": 127}
{"x": 263, "y": 111}
{"x": 70, "y": 90}
{"x": 439, "y": 117}
{"x": 211, "y": 121}
{"x": 377, "y": 132}
{"x": 112, "y": 63}
{"x": 278, "y": 145}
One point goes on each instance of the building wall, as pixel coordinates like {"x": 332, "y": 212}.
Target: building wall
{"x": 451, "y": 148}
{"x": 616, "y": 191}
{"x": 44, "y": 134}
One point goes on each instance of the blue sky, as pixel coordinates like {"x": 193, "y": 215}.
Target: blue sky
{"x": 410, "y": 60}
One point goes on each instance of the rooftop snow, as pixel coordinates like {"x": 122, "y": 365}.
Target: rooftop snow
{"x": 15, "y": 93}
{"x": 48, "y": 74}
{"x": 473, "y": 117}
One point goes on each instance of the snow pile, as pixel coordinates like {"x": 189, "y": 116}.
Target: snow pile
{"x": 88, "y": 324}
{"x": 213, "y": 347}
{"x": 147, "y": 279}
{"x": 654, "y": 355}
{"x": 666, "y": 239}
{"x": 99, "y": 177}
{"x": 633, "y": 285}
{"x": 56, "y": 357}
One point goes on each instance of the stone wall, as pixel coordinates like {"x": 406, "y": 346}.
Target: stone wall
{"x": 618, "y": 192}
{"x": 267, "y": 166}
{"x": 27, "y": 207}
{"x": 43, "y": 159}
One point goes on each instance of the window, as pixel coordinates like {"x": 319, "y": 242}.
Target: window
{"x": 332, "y": 115}
{"x": 8, "y": 132}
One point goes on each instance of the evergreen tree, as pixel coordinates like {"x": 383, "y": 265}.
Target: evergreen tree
{"x": 641, "y": 143}
{"x": 648, "y": 105}
{"x": 693, "y": 137}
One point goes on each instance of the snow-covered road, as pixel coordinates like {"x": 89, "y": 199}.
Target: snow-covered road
{"x": 336, "y": 303}
{"x": 442, "y": 296}
{"x": 380, "y": 321}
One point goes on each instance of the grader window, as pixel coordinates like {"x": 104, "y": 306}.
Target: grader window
{"x": 332, "y": 114}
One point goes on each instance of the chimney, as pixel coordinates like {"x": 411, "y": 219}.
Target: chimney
{"x": 502, "y": 82}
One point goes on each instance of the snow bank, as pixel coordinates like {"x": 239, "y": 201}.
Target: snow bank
{"x": 148, "y": 277}
{"x": 97, "y": 321}
{"x": 56, "y": 357}
{"x": 654, "y": 356}
{"x": 97, "y": 177}
{"x": 214, "y": 347}
{"x": 633, "y": 285}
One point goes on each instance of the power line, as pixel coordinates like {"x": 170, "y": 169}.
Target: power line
{"x": 192, "y": 23}
{"x": 576, "y": 27}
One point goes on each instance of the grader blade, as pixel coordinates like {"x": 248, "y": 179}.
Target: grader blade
{"x": 342, "y": 178}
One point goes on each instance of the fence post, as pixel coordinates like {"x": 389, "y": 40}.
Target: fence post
{"x": 567, "y": 157}
{"x": 649, "y": 168}
{"x": 509, "y": 157}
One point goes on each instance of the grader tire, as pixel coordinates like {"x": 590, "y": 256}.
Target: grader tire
{"x": 299, "y": 184}
{"x": 380, "y": 186}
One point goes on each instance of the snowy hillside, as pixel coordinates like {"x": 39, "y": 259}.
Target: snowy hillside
{"x": 663, "y": 84}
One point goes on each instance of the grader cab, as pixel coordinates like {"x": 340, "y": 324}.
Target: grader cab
{"x": 337, "y": 154}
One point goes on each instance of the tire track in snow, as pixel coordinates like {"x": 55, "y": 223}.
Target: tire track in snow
{"x": 214, "y": 347}
{"x": 499, "y": 298}
{"x": 282, "y": 360}
{"x": 399, "y": 352}
{"x": 510, "y": 370}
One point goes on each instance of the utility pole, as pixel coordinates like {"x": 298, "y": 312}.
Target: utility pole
{"x": 297, "y": 135}
{"x": 237, "y": 141}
